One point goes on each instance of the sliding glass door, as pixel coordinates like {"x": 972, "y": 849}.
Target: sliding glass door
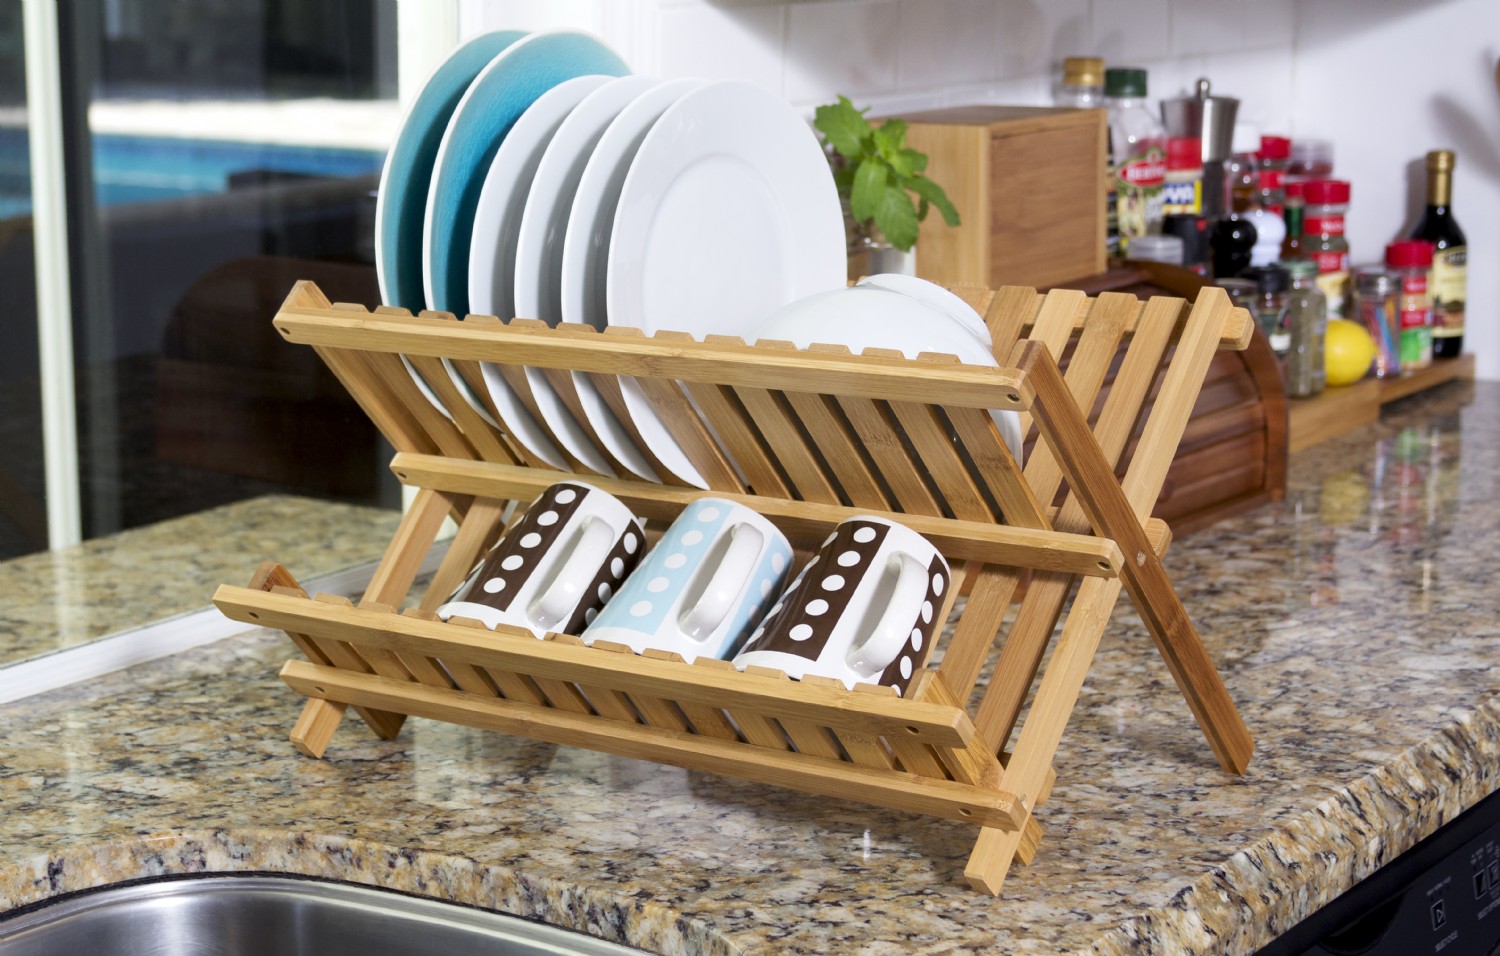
{"x": 23, "y": 515}
{"x": 214, "y": 153}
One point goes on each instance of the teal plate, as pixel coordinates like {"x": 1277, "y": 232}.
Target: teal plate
{"x": 401, "y": 205}
{"x": 495, "y": 100}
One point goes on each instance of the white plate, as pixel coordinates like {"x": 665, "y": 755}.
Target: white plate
{"x": 936, "y": 296}
{"x": 501, "y": 92}
{"x": 871, "y": 316}
{"x": 728, "y": 212}
{"x": 544, "y": 223}
{"x": 497, "y": 222}
{"x": 401, "y": 200}
{"x": 586, "y": 249}
{"x": 497, "y": 218}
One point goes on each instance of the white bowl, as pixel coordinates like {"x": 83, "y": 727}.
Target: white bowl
{"x": 935, "y": 296}
{"x": 868, "y": 316}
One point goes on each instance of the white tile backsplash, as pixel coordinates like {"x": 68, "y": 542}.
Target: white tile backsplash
{"x": 739, "y": 43}
{"x": 846, "y": 47}
{"x": 1133, "y": 33}
{"x": 947, "y": 42}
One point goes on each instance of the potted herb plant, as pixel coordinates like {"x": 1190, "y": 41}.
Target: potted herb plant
{"x": 882, "y": 185}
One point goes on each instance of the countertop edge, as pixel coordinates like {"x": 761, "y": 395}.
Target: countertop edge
{"x": 1312, "y": 858}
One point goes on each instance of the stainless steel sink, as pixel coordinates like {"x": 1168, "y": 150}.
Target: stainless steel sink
{"x": 251, "y": 915}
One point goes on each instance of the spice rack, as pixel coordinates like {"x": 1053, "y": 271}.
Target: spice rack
{"x": 807, "y": 438}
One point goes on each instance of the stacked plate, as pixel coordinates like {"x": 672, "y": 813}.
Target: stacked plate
{"x": 533, "y": 177}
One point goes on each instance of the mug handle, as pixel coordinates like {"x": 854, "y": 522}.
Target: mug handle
{"x": 891, "y": 631}
{"x": 566, "y": 589}
{"x": 728, "y": 580}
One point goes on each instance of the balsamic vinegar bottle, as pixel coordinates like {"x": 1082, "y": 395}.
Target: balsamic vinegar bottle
{"x": 1450, "y": 258}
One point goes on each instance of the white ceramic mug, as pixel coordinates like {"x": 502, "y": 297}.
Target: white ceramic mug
{"x": 704, "y": 585}
{"x": 556, "y": 566}
{"x": 863, "y": 610}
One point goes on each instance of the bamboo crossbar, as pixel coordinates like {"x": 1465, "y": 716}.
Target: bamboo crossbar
{"x": 956, "y": 538}
{"x": 808, "y": 438}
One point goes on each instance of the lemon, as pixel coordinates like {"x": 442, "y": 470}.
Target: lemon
{"x": 1348, "y": 351}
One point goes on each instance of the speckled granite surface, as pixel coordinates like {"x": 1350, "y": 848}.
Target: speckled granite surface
{"x": 1356, "y": 626}
{"x": 63, "y": 598}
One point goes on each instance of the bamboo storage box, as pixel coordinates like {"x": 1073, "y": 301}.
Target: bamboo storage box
{"x": 1029, "y": 186}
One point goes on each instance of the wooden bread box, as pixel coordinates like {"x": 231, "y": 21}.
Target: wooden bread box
{"x": 1029, "y": 185}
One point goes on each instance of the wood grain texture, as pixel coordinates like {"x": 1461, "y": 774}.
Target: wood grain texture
{"x": 939, "y": 798}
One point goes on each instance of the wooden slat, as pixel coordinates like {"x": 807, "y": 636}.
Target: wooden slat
{"x": 398, "y": 381}
{"x": 1087, "y": 367}
{"x": 655, "y": 711}
{"x": 867, "y": 750}
{"x": 1021, "y": 655}
{"x": 1011, "y": 311}
{"x": 839, "y": 445}
{"x": 1113, "y": 511}
{"x": 1032, "y": 759}
{"x": 479, "y": 530}
{"x": 683, "y": 424}
{"x": 1062, "y": 310}
{"x": 938, "y": 798}
{"x": 779, "y": 428}
{"x": 740, "y": 438}
{"x": 609, "y": 388}
{"x": 481, "y": 680}
{"x": 480, "y": 434}
{"x": 562, "y": 383}
{"x": 820, "y": 705}
{"x": 798, "y": 520}
{"x": 997, "y": 468}
{"x": 605, "y": 701}
{"x": 928, "y": 432}
{"x": 707, "y": 720}
{"x": 662, "y": 358}
{"x": 403, "y": 557}
{"x": 872, "y": 424}
{"x": 756, "y": 728}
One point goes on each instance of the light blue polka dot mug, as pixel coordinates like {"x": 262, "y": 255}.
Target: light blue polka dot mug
{"x": 704, "y": 585}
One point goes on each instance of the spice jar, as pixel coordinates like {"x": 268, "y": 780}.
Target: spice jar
{"x": 1168, "y": 249}
{"x": 1292, "y": 212}
{"x": 1323, "y": 239}
{"x": 1410, "y": 262}
{"x": 1241, "y": 292}
{"x": 1182, "y": 190}
{"x": 1271, "y": 284}
{"x": 1273, "y": 154}
{"x": 1376, "y": 306}
{"x": 1310, "y": 159}
{"x": 1307, "y": 319}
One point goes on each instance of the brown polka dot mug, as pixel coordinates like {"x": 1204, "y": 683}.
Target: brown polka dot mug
{"x": 555, "y": 567}
{"x": 864, "y": 609}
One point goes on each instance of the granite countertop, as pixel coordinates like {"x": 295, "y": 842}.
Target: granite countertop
{"x": 1355, "y": 624}
{"x": 63, "y": 598}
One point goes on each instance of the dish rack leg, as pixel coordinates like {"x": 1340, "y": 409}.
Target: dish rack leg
{"x": 319, "y": 718}
{"x": 315, "y": 726}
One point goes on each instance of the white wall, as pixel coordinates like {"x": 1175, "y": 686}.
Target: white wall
{"x": 1386, "y": 80}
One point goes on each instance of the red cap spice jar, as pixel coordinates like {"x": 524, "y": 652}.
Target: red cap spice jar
{"x": 1273, "y": 154}
{"x": 1182, "y": 189}
{"x": 1410, "y": 262}
{"x": 1323, "y": 239}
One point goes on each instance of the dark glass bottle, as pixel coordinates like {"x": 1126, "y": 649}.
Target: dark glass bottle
{"x": 1450, "y": 258}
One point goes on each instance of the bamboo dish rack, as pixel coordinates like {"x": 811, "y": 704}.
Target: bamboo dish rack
{"x": 807, "y": 438}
